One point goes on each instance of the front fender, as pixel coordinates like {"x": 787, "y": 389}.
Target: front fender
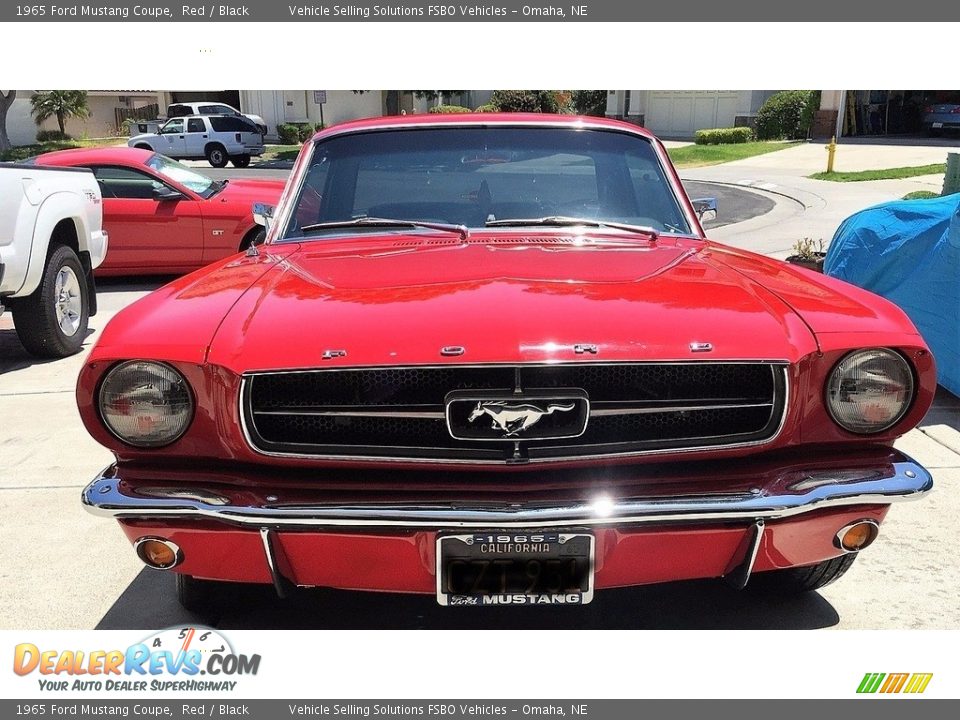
{"x": 54, "y": 209}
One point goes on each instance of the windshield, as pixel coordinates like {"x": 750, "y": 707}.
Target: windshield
{"x": 476, "y": 176}
{"x": 172, "y": 170}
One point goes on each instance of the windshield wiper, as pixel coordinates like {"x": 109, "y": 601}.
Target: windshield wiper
{"x": 563, "y": 221}
{"x": 375, "y": 222}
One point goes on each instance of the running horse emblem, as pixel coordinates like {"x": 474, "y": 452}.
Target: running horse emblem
{"x": 514, "y": 418}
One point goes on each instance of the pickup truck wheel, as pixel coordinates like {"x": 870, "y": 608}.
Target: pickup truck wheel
{"x": 794, "y": 581}
{"x": 52, "y": 322}
{"x": 217, "y": 156}
{"x": 240, "y": 161}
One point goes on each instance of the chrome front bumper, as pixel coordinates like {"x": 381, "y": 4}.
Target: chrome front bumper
{"x": 108, "y": 496}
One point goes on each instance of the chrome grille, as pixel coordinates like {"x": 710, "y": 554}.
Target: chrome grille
{"x": 399, "y": 413}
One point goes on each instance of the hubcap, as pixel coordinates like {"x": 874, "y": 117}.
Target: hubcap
{"x": 68, "y": 301}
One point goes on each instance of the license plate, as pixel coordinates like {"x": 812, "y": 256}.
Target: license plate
{"x": 937, "y": 126}
{"x": 498, "y": 568}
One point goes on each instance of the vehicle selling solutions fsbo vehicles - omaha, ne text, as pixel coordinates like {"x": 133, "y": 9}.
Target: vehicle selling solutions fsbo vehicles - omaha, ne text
{"x": 495, "y": 359}
{"x": 164, "y": 217}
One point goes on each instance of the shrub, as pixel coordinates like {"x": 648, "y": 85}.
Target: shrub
{"x": 306, "y": 131}
{"x": 294, "y": 133}
{"x": 545, "y": 101}
{"x": 288, "y": 133}
{"x": 51, "y": 135}
{"x": 589, "y": 102}
{"x": 489, "y": 107}
{"x": 448, "y": 109}
{"x": 787, "y": 115}
{"x": 724, "y": 136}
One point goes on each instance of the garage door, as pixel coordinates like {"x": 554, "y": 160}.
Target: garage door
{"x": 680, "y": 113}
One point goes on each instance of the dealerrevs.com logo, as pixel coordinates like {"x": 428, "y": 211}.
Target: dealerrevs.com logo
{"x": 909, "y": 683}
{"x": 175, "y": 659}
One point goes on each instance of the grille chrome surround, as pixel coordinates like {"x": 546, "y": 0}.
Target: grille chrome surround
{"x": 364, "y": 415}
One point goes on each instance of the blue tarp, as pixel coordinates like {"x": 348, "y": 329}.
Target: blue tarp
{"x": 908, "y": 251}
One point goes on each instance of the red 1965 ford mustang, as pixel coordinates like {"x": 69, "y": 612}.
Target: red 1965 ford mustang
{"x": 495, "y": 359}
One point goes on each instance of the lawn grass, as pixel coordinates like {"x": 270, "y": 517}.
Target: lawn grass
{"x": 26, "y": 151}
{"x": 700, "y": 155}
{"x": 280, "y": 152}
{"x": 921, "y": 195}
{"x": 887, "y": 174}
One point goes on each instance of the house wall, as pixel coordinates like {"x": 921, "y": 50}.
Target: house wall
{"x": 101, "y": 123}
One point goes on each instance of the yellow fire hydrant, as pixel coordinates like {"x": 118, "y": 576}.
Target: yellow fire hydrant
{"x": 831, "y": 152}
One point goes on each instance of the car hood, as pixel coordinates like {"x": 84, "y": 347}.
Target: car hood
{"x": 503, "y": 297}
{"x": 143, "y": 136}
{"x": 252, "y": 190}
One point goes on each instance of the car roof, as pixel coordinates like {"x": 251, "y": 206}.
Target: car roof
{"x": 104, "y": 155}
{"x": 482, "y": 119}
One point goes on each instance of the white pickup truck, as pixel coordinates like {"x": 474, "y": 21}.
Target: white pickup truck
{"x": 51, "y": 239}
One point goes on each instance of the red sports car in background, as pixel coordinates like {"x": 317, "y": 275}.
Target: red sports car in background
{"x": 164, "y": 217}
{"x": 495, "y": 359}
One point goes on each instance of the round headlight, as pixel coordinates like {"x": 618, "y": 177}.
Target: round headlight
{"x": 870, "y": 390}
{"x": 145, "y": 404}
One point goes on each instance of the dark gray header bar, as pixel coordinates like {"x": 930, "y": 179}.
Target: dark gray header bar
{"x": 496, "y": 11}
{"x": 77, "y": 706}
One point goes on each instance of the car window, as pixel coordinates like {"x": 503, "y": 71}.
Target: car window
{"x": 209, "y": 110}
{"x": 195, "y": 125}
{"x": 178, "y": 111}
{"x": 180, "y": 173}
{"x": 172, "y": 127}
{"x": 124, "y": 183}
{"x": 224, "y": 110}
{"x": 475, "y": 175}
{"x": 225, "y": 123}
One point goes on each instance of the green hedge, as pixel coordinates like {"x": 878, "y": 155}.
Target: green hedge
{"x": 543, "y": 101}
{"x": 724, "y": 136}
{"x": 294, "y": 133}
{"x": 51, "y": 135}
{"x": 787, "y": 115}
{"x": 448, "y": 109}
{"x": 489, "y": 107}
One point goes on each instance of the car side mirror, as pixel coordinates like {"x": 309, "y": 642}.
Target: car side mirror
{"x": 263, "y": 214}
{"x": 165, "y": 194}
{"x": 706, "y": 209}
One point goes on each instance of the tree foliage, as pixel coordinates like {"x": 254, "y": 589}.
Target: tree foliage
{"x": 536, "y": 101}
{"x": 61, "y": 104}
{"x": 589, "y": 102}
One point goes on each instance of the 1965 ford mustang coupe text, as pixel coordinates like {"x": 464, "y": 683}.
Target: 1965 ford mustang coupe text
{"x": 494, "y": 359}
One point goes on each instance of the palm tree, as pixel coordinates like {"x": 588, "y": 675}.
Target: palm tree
{"x": 62, "y": 104}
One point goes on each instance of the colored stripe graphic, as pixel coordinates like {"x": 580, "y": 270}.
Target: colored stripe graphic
{"x": 894, "y": 683}
{"x": 870, "y": 682}
{"x": 918, "y": 682}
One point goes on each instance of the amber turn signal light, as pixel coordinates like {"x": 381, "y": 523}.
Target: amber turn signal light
{"x": 158, "y": 553}
{"x": 856, "y": 536}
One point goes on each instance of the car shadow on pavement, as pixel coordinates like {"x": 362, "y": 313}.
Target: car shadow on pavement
{"x": 13, "y": 356}
{"x": 150, "y": 602}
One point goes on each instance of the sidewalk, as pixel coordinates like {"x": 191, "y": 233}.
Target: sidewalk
{"x": 815, "y": 208}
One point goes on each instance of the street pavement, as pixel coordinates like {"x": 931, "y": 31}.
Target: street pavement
{"x": 66, "y": 569}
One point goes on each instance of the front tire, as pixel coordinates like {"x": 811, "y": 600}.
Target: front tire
{"x": 793, "y": 581}
{"x": 217, "y": 156}
{"x": 52, "y": 322}
{"x": 240, "y": 161}
{"x": 198, "y": 596}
